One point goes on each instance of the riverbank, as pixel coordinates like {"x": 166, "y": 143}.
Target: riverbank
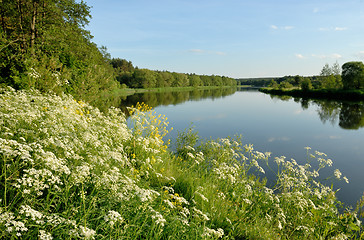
{"x": 70, "y": 171}
{"x": 334, "y": 94}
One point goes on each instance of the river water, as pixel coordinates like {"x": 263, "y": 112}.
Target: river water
{"x": 281, "y": 125}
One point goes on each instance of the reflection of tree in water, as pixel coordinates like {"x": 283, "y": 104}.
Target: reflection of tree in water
{"x": 280, "y": 97}
{"x": 352, "y": 116}
{"x": 349, "y": 115}
{"x": 155, "y": 99}
{"x": 328, "y": 110}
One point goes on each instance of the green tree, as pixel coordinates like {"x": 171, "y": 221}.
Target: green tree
{"x": 285, "y": 84}
{"x": 144, "y": 78}
{"x": 273, "y": 84}
{"x": 122, "y": 64}
{"x": 330, "y": 76}
{"x": 353, "y": 75}
{"x": 297, "y": 80}
{"x": 326, "y": 70}
{"x": 306, "y": 84}
{"x": 195, "y": 80}
{"x": 180, "y": 80}
{"x": 44, "y": 45}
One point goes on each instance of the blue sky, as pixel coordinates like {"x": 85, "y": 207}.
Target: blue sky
{"x": 235, "y": 38}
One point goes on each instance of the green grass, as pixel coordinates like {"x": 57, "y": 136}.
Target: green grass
{"x": 69, "y": 171}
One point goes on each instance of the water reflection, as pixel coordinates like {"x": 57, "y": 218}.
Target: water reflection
{"x": 155, "y": 99}
{"x": 348, "y": 115}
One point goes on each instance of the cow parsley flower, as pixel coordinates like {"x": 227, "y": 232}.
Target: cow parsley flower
{"x": 337, "y": 173}
{"x": 113, "y": 217}
{"x": 43, "y": 235}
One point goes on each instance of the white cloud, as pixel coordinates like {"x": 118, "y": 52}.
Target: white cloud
{"x": 275, "y": 27}
{"x": 323, "y": 56}
{"x": 336, "y": 56}
{"x": 325, "y": 29}
{"x": 288, "y": 27}
{"x": 316, "y": 10}
{"x": 196, "y": 50}
{"x": 300, "y": 56}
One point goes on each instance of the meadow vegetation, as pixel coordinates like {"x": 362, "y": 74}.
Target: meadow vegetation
{"x": 69, "y": 171}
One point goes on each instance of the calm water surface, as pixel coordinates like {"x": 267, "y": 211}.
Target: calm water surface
{"x": 283, "y": 126}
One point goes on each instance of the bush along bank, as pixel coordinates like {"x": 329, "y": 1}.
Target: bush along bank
{"x": 69, "y": 171}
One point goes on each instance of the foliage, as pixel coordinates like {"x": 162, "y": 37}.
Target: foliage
{"x": 44, "y": 46}
{"x": 353, "y": 75}
{"x": 69, "y": 171}
{"x": 273, "y": 84}
{"x": 330, "y": 77}
{"x": 284, "y": 85}
{"x": 306, "y": 84}
{"x": 145, "y": 78}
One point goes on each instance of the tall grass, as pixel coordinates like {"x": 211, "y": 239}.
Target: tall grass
{"x": 69, "y": 171}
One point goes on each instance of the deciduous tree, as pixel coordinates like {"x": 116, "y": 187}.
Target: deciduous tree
{"x": 353, "y": 75}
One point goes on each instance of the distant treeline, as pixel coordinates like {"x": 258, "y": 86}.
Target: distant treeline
{"x": 134, "y": 77}
{"x": 265, "y": 82}
{"x": 256, "y": 82}
{"x": 329, "y": 78}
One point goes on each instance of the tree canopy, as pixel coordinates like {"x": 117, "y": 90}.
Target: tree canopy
{"x": 134, "y": 77}
{"x": 44, "y": 45}
{"x": 353, "y": 75}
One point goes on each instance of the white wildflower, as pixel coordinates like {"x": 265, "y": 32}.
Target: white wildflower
{"x": 346, "y": 179}
{"x": 247, "y": 201}
{"x": 169, "y": 203}
{"x": 208, "y": 232}
{"x": 190, "y": 155}
{"x": 337, "y": 173}
{"x": 43, "y": 235}
{"x": 189, "y": 148}
{"x": 202, "y": 196}
{"x": 86, "y": 232}
{"x": 33, "y": 214}
{"x": 199, "y": 214}
{"x": 279, "y": 160}
{"x": 113, "y": 217}
{"x": 157, "y": 217}
{"x": 146, "y": 194}
{"x": 81, "y": 173}
{"x": 280, "y": 225}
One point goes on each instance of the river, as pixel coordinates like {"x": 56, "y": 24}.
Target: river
{"x": 283, "y": 126}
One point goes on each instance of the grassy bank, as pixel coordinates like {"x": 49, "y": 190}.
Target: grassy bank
{"x": 69, "y": 171}
{"x": 334, "y": 94}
